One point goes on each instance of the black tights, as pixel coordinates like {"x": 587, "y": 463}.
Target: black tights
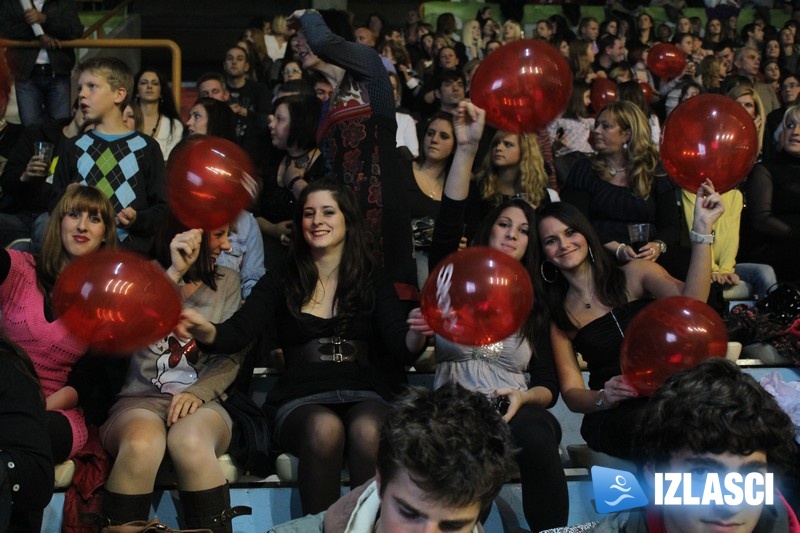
{"x": 545, "y": 499}
{"x": 319, "y": 435}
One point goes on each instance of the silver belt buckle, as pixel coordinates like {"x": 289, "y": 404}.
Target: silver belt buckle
{"x": 337, "y": 349}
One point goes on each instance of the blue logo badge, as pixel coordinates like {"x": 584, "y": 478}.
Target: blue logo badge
{"x": 616, "y": 490}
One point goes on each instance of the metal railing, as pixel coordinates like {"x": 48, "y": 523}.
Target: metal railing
{"x": 175, "y": 52}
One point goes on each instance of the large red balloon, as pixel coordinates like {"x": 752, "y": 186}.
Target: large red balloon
{"x": 709, "y": 136}
{"x": 522, "y": 85}
{"x": 667, "y": 336}
{"x": 477, "y": 296}
{"x": 116, "y": 301}
{"x": 604, "y": 91}
{"x": 665, "y": 60}
{"x": 210, "y": 180}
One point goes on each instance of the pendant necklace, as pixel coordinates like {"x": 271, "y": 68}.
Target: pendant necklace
{"x": 615, "y": 171}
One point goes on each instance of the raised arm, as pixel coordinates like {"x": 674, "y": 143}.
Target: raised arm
{"x": 468, "y": 123}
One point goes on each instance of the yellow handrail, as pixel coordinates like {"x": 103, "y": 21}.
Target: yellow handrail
{"x": 99, "y": 25}
{"x": 175, "y": 52}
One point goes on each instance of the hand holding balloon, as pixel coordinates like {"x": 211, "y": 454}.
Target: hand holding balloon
{"x": 707, "y": 208}
{"x": 617, "y": 389}
{"x": 417, "y": 323}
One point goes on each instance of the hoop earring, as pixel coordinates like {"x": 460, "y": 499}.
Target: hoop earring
{"x": 591, "y": 255}
{"x": 544, "y": 277}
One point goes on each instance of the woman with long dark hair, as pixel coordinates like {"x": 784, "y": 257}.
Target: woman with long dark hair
{"x": 161, "y": 119}
{"x": 343, "y": 332}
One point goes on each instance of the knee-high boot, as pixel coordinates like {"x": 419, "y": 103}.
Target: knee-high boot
{"x": 211, "y": 509}
{"x": 123, "y": 508}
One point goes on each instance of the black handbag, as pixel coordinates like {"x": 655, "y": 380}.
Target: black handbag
{"x": 782, "y": 304}
{"x": 251, "y": 438}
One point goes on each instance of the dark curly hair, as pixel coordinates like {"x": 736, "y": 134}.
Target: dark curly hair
{"x": 715, "y": 408}
{"x": 452, "y": 443}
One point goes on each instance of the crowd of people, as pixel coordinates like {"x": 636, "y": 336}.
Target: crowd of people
{"x": 375, "y": 167}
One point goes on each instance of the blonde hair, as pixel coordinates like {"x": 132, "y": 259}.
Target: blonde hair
{"x": 466, "y": 38}
{"x": 532, "y": 177}
{"x": 116, "y": 72}
{"x": 518, "y": 34}
{"x": 642, "y": 154}
{"x": 745, "y": 89}
{"x": 53, "y": 257}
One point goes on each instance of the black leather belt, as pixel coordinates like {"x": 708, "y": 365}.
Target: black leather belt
{"x": 327, "y": 350}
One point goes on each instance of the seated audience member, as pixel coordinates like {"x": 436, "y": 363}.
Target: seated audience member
{"x": 161, "y": 120}
{"x": 81, "y": 223}
{"x": 292, "y": 128}
{"x": 249, "y": 100}
{"x": 497, "y": 371}
{"x": 366, "y": 162}
{"x": 27, "y": 191}
{"x": 746, "y": 62}
{"x": 670, "y": 89}
{"x": 425, "y": 185}
{"x": 570, "y": 132}
{"x": 129, "y": 166}
{"x": 631, "y": 91}
{"x": 342, "y": 330}
{"x": 712, "y": 418}
{"x": 623, "y": 184}
{"x": 789, "y": 90}
{"x": 170, "y": 402}
{"x": 591, "y": 299}
{"x": 407, "y": 141}
{"x": 26, "y": 460}
{"x": 443, "y": 457}
{"x": 725, "y": 271}
{"x": 245, "y": 253}
{"x": 581, "y": 61}
{"x": 771, "y": 232}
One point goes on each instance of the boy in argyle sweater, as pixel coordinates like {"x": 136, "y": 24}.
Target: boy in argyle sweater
{"x": 126, "y": 165}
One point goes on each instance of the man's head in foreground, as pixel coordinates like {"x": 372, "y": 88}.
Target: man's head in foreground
{"x": 443, "y": 457}
{"x": 714, "y": 419}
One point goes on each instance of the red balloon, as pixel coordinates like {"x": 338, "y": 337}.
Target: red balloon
{"x": 477, "y": 296}
{"x": 522, "y": 85}
{"x": 210, "y": 180}
{"x": 116, "y": 301}
{"x": 604, "y": 91}
{"x": 709, "y": 136}
{"x": 667, "y": 336}
{"x": 647, "y": 91}
{"x": 665, "y": 60}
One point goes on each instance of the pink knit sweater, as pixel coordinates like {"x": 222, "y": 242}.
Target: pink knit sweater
{"x": 51, "y": 347}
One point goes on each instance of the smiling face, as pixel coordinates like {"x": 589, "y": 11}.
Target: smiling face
{"x": 562, "y": 245}
{"x": 713, "y": 518}
{"x": 149, "y": 88}
{"x": 506, "y": 151}
{"x": 279, "y": 125}
{"x": 324, "y": 226}
{"x": 509, "y": 233}
{"x": 82, "y": 233}
{"x": 198, "y": 121}
{"x": 218, "y": 242}
{"x": 772, "y": 49}
{"x": 438, "y": 143}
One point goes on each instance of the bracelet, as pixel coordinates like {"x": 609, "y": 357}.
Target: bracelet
{"x": 620, "y": 247}
{"x": 294, "y": 180}
{"x": 601, "y": 399}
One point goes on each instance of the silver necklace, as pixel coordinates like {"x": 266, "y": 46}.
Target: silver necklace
{"x": 615, "y": 171}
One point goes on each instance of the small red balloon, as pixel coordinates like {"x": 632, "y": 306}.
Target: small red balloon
{"x": 477, "y": 296}
{"x": 709, "y": 136}
{"x": 210, "y": 180}
{"x": 117, "y": 302}
{"x": 647, "y": 91}
{"x": 604, "y": 91}
{"x": 665, "y": 60}
{"x": 522, "y": 85}
{"x": 672, "y": 334}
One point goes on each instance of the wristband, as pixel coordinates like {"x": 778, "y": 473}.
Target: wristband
{"x": 601, "y": 399}
{"x": 620, "y": 247}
